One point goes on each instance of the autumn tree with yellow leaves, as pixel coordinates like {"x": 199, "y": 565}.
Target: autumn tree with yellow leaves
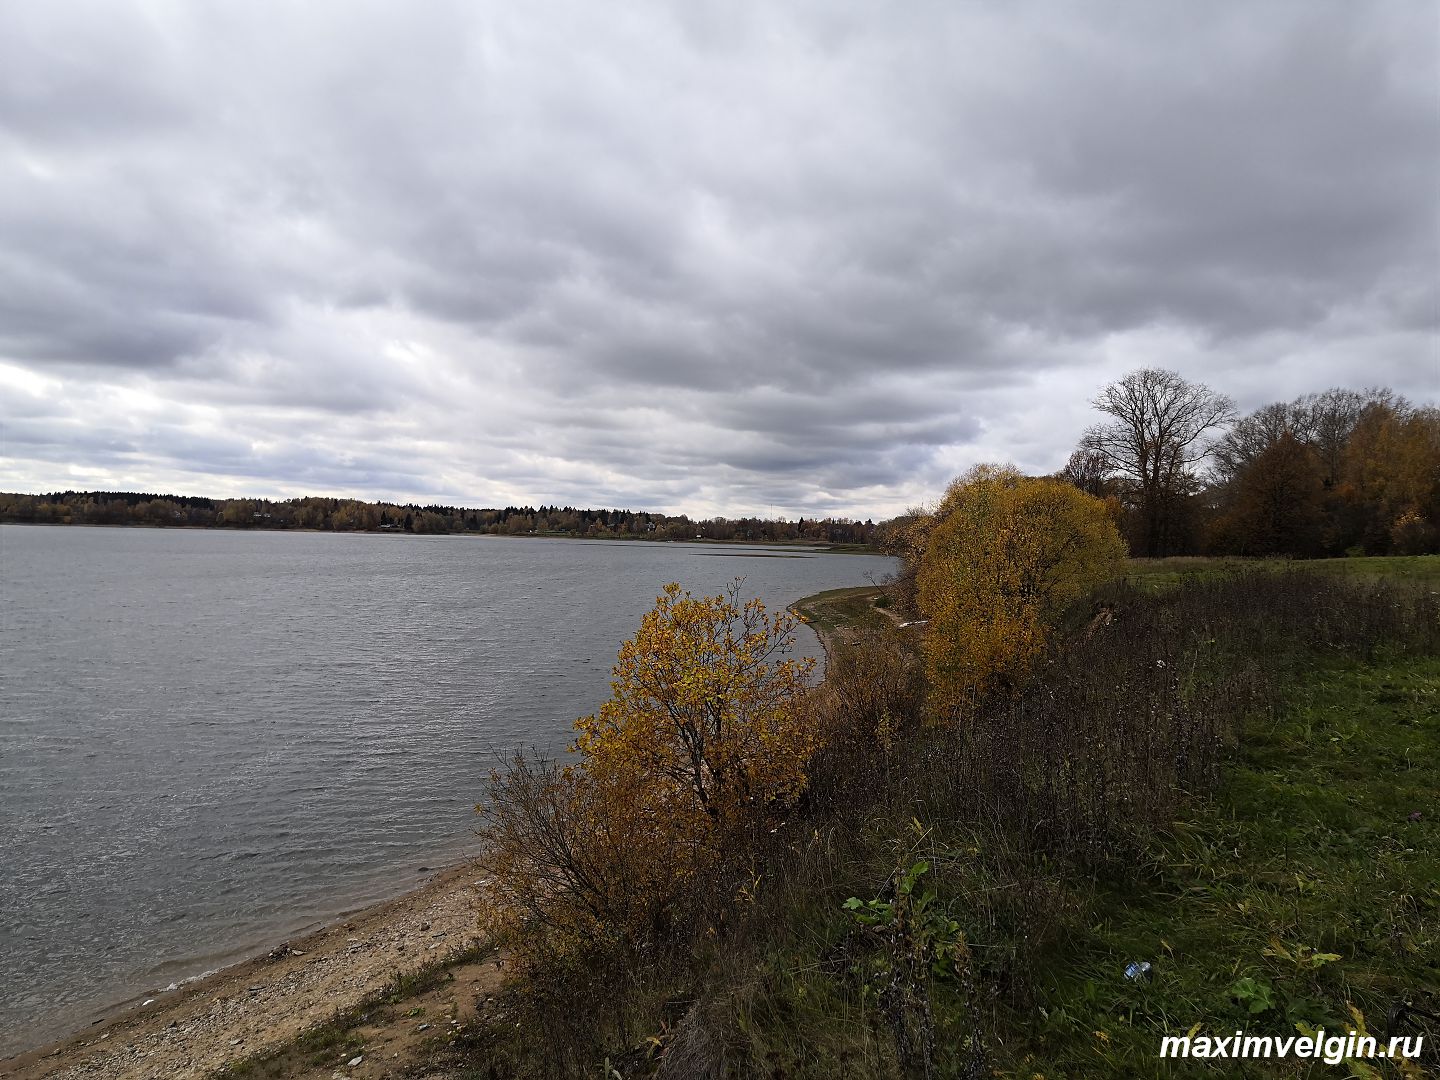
{"x": 705, "y": 706}
{"x": 705, "y": 735}
{"x": 1006, "y": 555}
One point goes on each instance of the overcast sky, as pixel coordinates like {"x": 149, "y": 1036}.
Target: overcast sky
{"x": 712, "y": 257}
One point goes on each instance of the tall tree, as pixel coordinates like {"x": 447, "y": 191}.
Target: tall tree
{"x": 1254, "y": 435}
{"x": 1154, "y": 443}
{"x": 1330, "y": 418}
{"x": 1390, "y": 472}
{"x": 1275, "y": 501}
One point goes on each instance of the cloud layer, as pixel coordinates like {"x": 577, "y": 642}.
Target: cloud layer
{"x": 809, "y": 258}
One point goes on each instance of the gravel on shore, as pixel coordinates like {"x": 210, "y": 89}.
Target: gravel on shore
{"x": 264, "y": 1003}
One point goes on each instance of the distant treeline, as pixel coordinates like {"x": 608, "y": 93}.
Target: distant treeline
{"x": 1340, "y": 472}
{"x": 352, "y": 515}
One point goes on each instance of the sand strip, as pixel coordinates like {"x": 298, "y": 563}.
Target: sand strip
{"x": 263, "y": 1003}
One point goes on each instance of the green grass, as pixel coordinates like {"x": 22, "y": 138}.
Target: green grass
{"x": 834, "y": 610}
{"x": 1307, "y": 846}
{"x": 1420, "y": 569}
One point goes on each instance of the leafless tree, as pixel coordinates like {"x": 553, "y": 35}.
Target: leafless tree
{"x": 1332, "y": 416}
{"x": 1088, "y": 471}
{"x": 1155, "y": 442}
{"x": 1253, "y": 435}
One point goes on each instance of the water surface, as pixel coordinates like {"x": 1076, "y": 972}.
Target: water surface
{"x": 211, "y": 740}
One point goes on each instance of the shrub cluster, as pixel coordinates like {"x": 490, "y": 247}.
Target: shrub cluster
{"x": 702, "y": 745}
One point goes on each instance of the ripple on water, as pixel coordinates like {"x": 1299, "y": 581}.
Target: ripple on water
{"x": 209, "y": 741}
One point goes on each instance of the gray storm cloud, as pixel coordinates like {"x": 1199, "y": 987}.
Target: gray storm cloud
{"x": 701, "y": 257}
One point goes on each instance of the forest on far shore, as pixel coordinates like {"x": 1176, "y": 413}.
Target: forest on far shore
{"x": 352, "y": 515}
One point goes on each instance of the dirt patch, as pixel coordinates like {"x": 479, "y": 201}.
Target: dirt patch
{"x": 410, "y": 1037}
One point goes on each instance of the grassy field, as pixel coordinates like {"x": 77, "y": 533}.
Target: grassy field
{"x": 1310, "y": 884}
{"x": 1419, "y": 569}
{"x": 1302, "y": 892}
{"x": 1302, "y": 889}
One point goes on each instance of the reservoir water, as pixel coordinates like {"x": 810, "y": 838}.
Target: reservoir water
{"x": 212, "y": 740}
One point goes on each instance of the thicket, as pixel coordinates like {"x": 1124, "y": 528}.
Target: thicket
{"x": 701, "y": 747}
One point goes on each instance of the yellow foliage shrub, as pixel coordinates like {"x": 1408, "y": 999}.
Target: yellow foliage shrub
{"x": 704, "y": 707}
{"x": 706, "y": 732}
{"x": 1007, "y": 554}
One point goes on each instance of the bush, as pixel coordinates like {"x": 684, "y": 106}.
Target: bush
{"x": 876, "y": 686}
{"x": 1008, "y": 556}
{"x": 1413, "y": 535}
{"x": 706, "y": 734}
{"x": 704, "y": 710}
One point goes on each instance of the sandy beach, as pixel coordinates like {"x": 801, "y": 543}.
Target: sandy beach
{"x": 261, "y": 1004}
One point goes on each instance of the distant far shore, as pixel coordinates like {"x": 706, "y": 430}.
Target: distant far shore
{"x": 822, "y": 546}
{"x": 326, "y": 514}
